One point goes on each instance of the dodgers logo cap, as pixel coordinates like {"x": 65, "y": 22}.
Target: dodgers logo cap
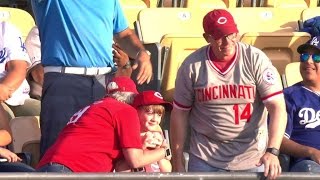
{"x": 150, "y": 97}
{"x": 219, "y": 23}
{"x": 122, "y": 84}
{"x": 313, "y": 43}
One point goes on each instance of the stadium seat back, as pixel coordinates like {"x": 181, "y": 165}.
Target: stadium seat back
{"x": 310, "y": 13}
{"x": 20, "y": 18}
{"x": 24, "y": 129}
{"x": 281, "y": 48}
{"x": 131, "y": 8}
{"x": 263, "y": 19}
{"x": 154, "y": 23}
{"x": 153, "y": 3}
{"x": 180, "y": 46}
{"x": 286, "y": 3}
{"x": 211, "y": 4}
{"x": 292, "y": 73}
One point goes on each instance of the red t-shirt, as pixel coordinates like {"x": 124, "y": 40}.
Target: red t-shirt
{"x": 94, "y": 137}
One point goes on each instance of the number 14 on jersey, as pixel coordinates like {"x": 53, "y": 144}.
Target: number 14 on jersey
{"x": 244, "y": 115}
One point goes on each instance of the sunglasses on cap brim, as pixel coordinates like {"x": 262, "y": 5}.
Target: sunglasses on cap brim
{"x": 305, "y": 56}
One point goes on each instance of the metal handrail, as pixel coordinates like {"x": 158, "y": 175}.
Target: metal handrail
{"x": 163, "y": 176}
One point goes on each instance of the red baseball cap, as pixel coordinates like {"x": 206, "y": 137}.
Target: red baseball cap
{"x": 219, "y": 23}
{"x": 122, "y": 84}
{"x": 150, "y": 97}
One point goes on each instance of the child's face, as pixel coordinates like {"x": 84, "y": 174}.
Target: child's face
{"x": 149, "y": 119}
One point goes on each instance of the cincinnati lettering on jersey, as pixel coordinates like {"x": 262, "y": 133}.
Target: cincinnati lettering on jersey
{"x": 229, "y": 91}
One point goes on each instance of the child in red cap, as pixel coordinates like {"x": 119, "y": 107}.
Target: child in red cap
{"x": 151, "y": 108}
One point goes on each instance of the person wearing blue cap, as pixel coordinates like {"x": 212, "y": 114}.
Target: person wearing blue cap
{"x": 302, "y": 102}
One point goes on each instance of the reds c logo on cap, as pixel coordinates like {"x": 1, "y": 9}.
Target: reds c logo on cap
{"x": 158, "y": 95}
{"x": 222, "y": 20}
{"x": 112, "y": 86}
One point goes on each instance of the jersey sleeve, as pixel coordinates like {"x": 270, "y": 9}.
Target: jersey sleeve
{"x": 184, "y": 94}
{"x": 267, "y": 77}
{"x": 128, "y": 128}
{"x": 14, "y": 44}
{"x": 119, "y": 22}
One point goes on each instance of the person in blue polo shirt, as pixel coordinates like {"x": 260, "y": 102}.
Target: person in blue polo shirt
{"x": 76, "y": 52}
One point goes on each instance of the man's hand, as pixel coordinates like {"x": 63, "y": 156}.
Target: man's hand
{"x": 315, "y": 155}
{"x": 145, "y": 67}
{"x": 10, "y": 156}
{"x": 122, "y": 59}
{"x": 5, "y": 92}
{"x": 119, "y": 56}
{"x": 272, "y": 168}
{"x": 131, "y": 44}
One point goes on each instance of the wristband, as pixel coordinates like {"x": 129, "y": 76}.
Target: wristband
{"x": 167, "y": 152}
{"x": 146, "y": 51}
{"x": 127, "y": 65}
{"x": 273, "y": 151}
{"x": 138, "y": 169}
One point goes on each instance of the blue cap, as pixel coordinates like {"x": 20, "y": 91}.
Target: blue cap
{"x": 312, "y": 44}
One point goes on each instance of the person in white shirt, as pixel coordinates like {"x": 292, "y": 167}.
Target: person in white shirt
{"x": 14, "y": 61}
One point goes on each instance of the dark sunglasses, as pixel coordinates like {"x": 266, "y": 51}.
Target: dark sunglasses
{"x": 315, "y": 57}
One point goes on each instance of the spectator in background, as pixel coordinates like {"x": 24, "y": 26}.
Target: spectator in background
{"x": 151, "y": 108}
{"x": 35, "y": 71}
{"x": 77, "y": 57}
{"x": 100, "y": 134}
{"x": 14, "y": 61}
{"x": 301, "y": 140}
{"x": 224, "y": 90}
{"x": 9, "y": 161}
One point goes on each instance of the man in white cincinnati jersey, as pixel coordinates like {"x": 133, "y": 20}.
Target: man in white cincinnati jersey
{"x": 221, "y": 91}
{"x": 14, "y": 60}
{"x": 301, "y": 140}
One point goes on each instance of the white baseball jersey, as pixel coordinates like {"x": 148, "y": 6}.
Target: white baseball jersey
{"x": 227, "y": 114}
{"x": 12, "y": 48}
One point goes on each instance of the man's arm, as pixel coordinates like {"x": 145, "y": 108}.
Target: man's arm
{"x": 130, "y": 43}
{"x": 178, "y": 132}
{"x": 17, "y": 70}
{"x": 138, "y": 158}
{"x": 278, "y": 120}
{"x": 5, "y": 131}
{"x": 297, "y": 150}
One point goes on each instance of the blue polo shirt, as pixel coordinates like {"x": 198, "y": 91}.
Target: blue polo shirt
{"x": 78, "y": 33}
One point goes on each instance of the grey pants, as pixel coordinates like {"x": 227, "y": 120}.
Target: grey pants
{"x": 62, "y": 96}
